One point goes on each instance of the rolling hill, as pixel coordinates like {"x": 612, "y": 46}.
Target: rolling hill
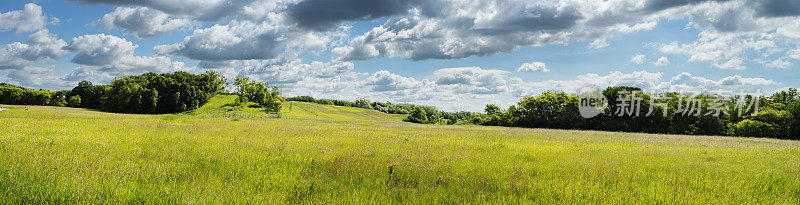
{"x": 222, "y": 105}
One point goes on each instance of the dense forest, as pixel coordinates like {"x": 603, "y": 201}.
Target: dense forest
{"x": 148, "y": 93}
{"x": 777, "y": 116}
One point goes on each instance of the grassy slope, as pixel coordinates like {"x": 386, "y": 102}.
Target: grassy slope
{"x": 335, "y": 154}
{"x": 221, "y": 106}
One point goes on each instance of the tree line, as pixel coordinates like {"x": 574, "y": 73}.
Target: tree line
{"x": 149, "y": 93}
{"x": 776, "y": 116}
{"x": 386, "y": 107}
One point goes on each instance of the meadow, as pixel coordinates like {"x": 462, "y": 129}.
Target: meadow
{"x": 329, "y": 154}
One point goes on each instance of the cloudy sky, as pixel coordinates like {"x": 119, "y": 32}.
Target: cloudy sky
{"x": 454, "y": 54}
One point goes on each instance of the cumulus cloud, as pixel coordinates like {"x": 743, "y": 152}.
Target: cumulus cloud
{"x": 296, "y": 77}
{"x": 323, "y": 14}
{"x": 732, "y": 64}
{"x": 28, "y": 19}
{"x": 470, "y": 29}
{"x": 638, "y": 59}
{"x": 287, "y": 71}
{"x": 724, "y": 51}
{"x": 33, "y": 76}
{"x": 777, "y": 63}
{"x": 141, "y": 22}
{"x": 385, "y": 81}
{"x": 739, "y": 80}
{"x": 533, "y": 67}
{"x": 100, "y": 49}
{"x": 521, "y": 88}
{"x": 241, "y": 41}
{"x": 648, "y": 81}
{"x": 731, "y": 30}
{"x": 115, "y": 56}
{"x": 795, "y": 54}
{"x": 419, "y": 30}
{"x": 208, "y": 10}
{"x": 662, "y": 61}
{"x": 599, "y": 43}
{"x": 472, "y": 80}
{"x": 41, "y": 45}
{"x": 244, "y": 40}
{"x": 478, "y": 28}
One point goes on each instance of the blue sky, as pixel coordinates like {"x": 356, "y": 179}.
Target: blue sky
{"x": 456, "y": 55}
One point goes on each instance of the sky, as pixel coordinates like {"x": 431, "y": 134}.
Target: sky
{"x": 457, "y": 55}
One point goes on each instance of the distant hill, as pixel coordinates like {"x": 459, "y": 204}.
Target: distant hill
{"x": 222, "y": 105}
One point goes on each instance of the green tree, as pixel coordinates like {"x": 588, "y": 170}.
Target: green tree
{"x": 492, "y": 109}
{"x": 257, "y": 92}
{"x": 363, "y": 103}
{"x": 74, "y": 101}
{"x": 553, "y": 110}
{"x": 794, "y": 112}
{"x": 418, "y": 115}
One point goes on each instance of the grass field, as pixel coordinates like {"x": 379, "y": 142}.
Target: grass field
{"x": 329, "y": 154}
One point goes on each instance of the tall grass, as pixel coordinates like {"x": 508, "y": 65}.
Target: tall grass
{"x": 67, "y": 155}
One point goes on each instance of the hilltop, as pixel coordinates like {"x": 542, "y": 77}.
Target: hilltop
{"x": 223, "y": 106}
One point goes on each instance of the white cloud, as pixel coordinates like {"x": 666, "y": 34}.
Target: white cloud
{"x": 533, "y": 67}
{"x": 282, "y": 71}
{"x": 732, "y": 64}
{"x": 141, "y": 22}
{"x": 101, "y": 53}
{"x": 100, "y": 49}
{"x": 599, "y": 43}
{"x": 724, "y": 51}
{"x": 795, "y": 54}
{"x": 471, "y": 80}
{"x": 33, "y": 76}
{"x": 479, "y": 28}
{"x": 41, "y": 46}
{"x": 28, "y": 19}
{"x": 244, "y": 40}
{"x": 662, "y": 61}
{"x": 386, "y": 81}
{"x": 641, "y": 79}
{"x": 739, "y": 80}
{"x": 209, "y": 10}
{"x": 638, "y": 59}
{"x": 294, "y": 77}
{"x": 240, "y": 41}
{"x": 435, "y": 29}
{"x": 649, "y": 82}
{"x": 732, "y": 30}
{"x": 777, "y": 63}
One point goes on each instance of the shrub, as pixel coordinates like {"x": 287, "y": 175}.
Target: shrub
{"x": 363, "y": 103}
{"x": 418, "y": 115}
{"x": 752, "y": 128}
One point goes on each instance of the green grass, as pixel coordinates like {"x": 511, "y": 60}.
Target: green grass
{"x": 328, "y": 154}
